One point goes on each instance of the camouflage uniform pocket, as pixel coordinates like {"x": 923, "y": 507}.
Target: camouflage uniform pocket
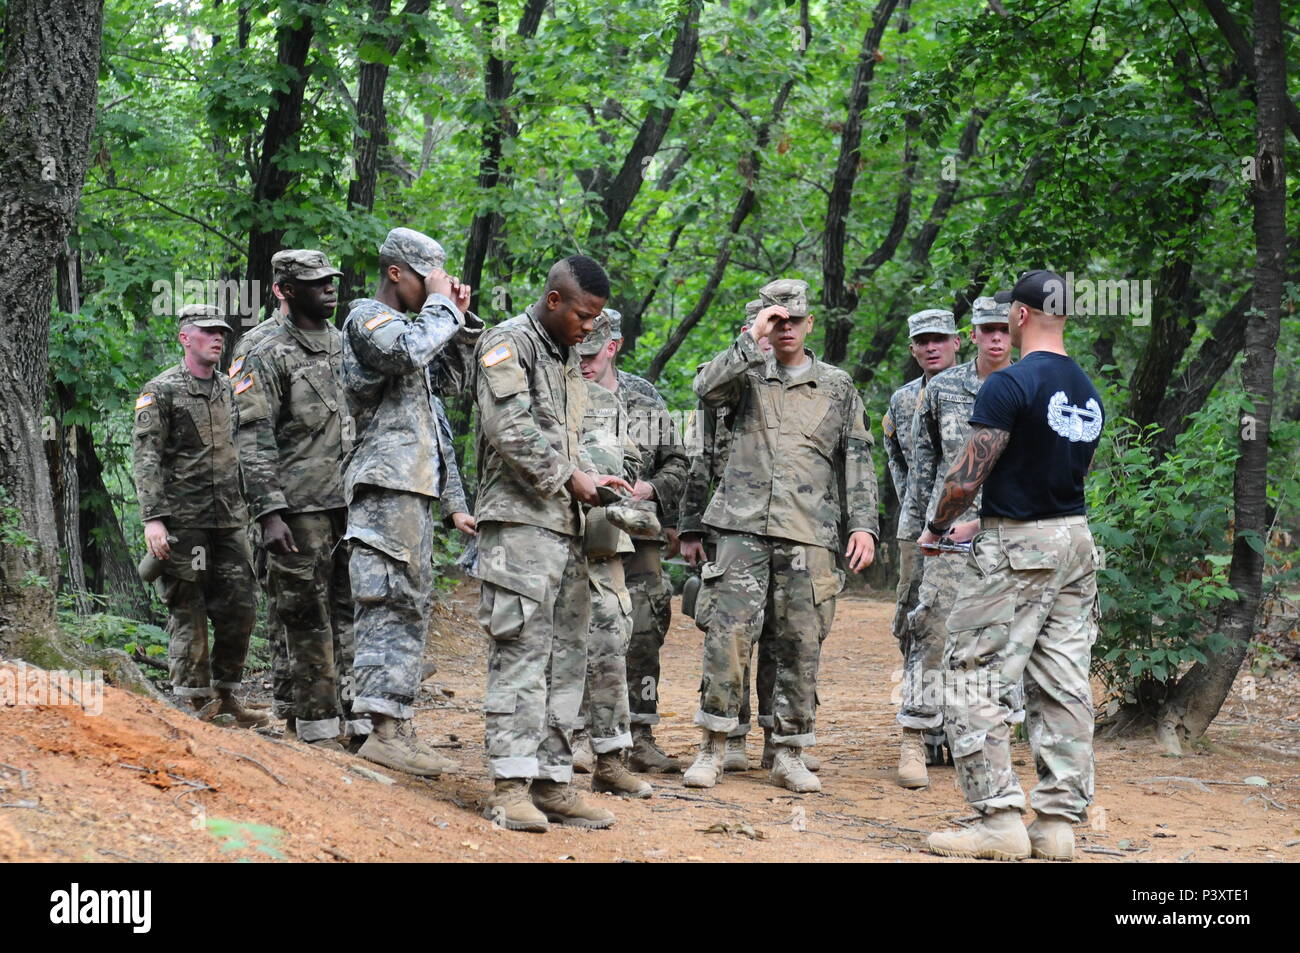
{"x": 500, "y": 703}
{"x": 504, "y": 613}
{"x": 975, "y": 773}
{"x": 710, "y": 573}
{"x": 1029, "y": 556}
{"x": 827, "y": 583}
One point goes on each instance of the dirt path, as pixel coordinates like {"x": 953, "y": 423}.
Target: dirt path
{"x": 143, "y": 781}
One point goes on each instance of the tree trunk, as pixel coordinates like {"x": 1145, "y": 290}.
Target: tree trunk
{"x": 271, "y": 179}
{"x": 371, "y": 134}
{"x": 838, "y": 299}
{"x": 62, "y": 452}
{"x": 48, "y": 86}
{"x": 1199, "y": 695}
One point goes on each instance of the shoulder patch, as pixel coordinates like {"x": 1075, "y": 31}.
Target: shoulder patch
{"x": 887, "y": 425}
{"x": 382, "y": 318}
{"x": 244, "y": 384}
{"x": 236, "y": 367}
{"x": 495, "y": 356}
{"x": 144, "y": 400}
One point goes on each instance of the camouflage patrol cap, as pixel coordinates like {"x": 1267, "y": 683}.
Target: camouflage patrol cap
{"x": 752, "y": 308}
{"x": 202, "y": 316}
{"x": 601, "y": 334}
{"x": 987, "y": 311}
{"x": 931, "y": 321}
{"x": 302, "y": 264}
{"x": 789, "y": 293}
{"x": 615, "y": 323}
{"x": 418, "y": 250}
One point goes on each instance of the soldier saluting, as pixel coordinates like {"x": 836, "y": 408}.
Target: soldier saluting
{"x": 187, "y": 481}
{"x": 797, "y": 426}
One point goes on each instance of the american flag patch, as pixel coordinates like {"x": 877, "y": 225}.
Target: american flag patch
{"x": 243, "y": 385}
{"x": 144, "y": 401}
{"x": 379, "y": 319}
{"x": 495, "y": 356}
{"x": 236, "y": 367}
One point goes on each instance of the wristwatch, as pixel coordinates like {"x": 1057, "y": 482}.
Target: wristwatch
{"x": 937, "y": 530}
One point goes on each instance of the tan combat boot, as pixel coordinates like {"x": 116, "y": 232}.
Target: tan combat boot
{"x": 328, "y": 744}
{"x": 911, "y": 760}
{"x": 562, "y": 804}
{"x": 705, "y": 771}
{"x": 584, "y": 759}
{"x": 510, "y": 807}
{"x": 735, "y": 759}
{"x": 1000, "y": 835}
{"x": 789, "y": 771}
{"x": 612, "y": 776}
{"x": 647, "y": 757}
{"x": 394, "y": 744}
{"x": 244, "y": 717}
{"x": 810, "y": 760}
{"x": 1051, "y": 837}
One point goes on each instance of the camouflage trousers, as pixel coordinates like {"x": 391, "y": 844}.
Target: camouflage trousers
{"x": 392, "y": 576}
{"x": 535, "y": 603}
{"x": 755, "y": 579}
{"x": 604, "y": 702}
{"x": 209, "y": 576}
{"x": 925, "y": 644}
{"x": 281, "y": 671}
{"x": 1028, "y": 609}
{"x": 909, "y": 584}
{"x": 765, "y": 676}
{"x": 313, "y": 599}
{"x": 651, "y": 613}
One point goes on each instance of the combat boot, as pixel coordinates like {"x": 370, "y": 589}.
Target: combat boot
{"x": 612, "y": 776}
{"x": 911, "y": 760}
{"x": 735, "y": 759}
{"x": 1000, "y": 835}
{"x": 647, "y": 757}
{"x": 810, "y": 760}
{"x": 394, "y": 744}
{"x": 789, "y": 771}
{"x": 562, "y": 804}
{"x": 244, "y": 717}
{"x": 510, "y": 807}
{"x": 328, "y": 744}
{"x": 1051, "y": 837}
{"x": 584, "y": 759}
{"x": 707, "y": 767}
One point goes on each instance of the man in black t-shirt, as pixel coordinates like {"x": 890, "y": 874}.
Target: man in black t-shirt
{"x": 1031, "y": 608}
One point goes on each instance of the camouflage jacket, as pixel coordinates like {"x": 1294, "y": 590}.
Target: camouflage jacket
{"x": 943, "y": 424}
{"x": 708, "y": 440}
{"x": 294, "y": 429}
{"x": 387, "y": 372}
{"x": 532, "y": 399}
{"x": 605, "y": 438}
{"x": 186, "y": 467}
{"x": 251, "y": 338}
{"x": 792, "y": 441}
{"x": 899, "y": 429}
{"x": 663, "y": 456}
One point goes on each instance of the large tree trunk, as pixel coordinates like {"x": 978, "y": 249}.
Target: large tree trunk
{"x": 62, "y": 452}
{"x": 1197, "y": 697}
{"x": 271, "y": 178}
{"x": 372, "y": 131}
{"x": 47, "y": 116}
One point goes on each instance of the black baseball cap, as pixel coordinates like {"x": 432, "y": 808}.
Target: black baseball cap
{"x": 1037, "y": 288}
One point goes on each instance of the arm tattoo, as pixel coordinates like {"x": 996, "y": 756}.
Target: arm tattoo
{"x": 983, "y": 448}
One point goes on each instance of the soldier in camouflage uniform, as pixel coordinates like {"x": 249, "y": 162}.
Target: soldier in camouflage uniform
{"x": 942, "y": 426}
{"x": 281, "y": 671}
{"x": 294, "y": 433}
{"x": 535, "y": 601}
{"x": 934, "y": 344}
{"x": 797, "y": 427}
{"x": 400, "y": 465}
{"x": 187, "y": 481}
{"x": 1028, "y": 607}
{"x": 605, "y": 714}
{"x": 659, "y": 485}
{"x": 708, "y": 440}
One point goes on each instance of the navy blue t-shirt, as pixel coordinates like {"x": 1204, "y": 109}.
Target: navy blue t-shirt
{"x": 1054, "y": 416}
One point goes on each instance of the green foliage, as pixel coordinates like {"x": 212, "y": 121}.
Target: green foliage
{"x": 1162, "y": 526}
{"x": 106, "y": 630}
{"x": 11, "y": 533}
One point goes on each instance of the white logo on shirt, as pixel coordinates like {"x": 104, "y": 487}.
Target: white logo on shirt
{"x": 1074, "y": 423}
